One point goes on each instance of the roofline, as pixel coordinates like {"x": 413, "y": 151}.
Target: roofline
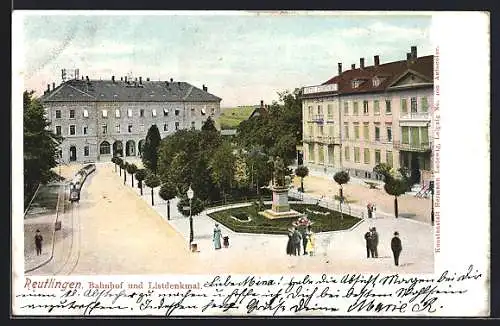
{"x": 385, "y": 90}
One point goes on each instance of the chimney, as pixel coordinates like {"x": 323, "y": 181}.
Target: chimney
{"x": 121, "y": 78}
{"x": 53, "y": 86}
{"x": 113, "y": 79}
{"x": 171, "y": 80}
{"x": 82, "y": 77}
{"x": 362, "y": 63}
{"x": 48, "y": 88}
{"x": 140, "y": 80}
{"x": 340, "y": 68}
{"x": 376, "y": 60}
{"x": 262, "y": 103}
{"x": 414, "y": 52}
{"x": 353, "y": 66}
{"x": 147, "y": 79}
{"x": 205, "y": 89}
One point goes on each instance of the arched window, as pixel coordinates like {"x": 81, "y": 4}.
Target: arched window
{"x": 104, "y": 148}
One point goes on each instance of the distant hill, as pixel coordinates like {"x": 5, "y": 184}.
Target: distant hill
{"x": 230, "y": 118}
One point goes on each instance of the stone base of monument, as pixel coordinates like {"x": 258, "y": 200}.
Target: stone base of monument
{"x": 280, "y": 207}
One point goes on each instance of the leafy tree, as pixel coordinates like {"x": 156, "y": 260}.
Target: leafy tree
{"x": 241, "y": 175}
{"x": 222, "y": 166}
{"x": 140, "y": 175}
{"x": 395, "y": 187}
{"x": 152, "y": 181}
{"x": 341, "y": 177}
{"x": 209, "y": 125}
{"x": 168, "y": 192}
{"x": 40, "y": 144}
{"x": 197, "y": 206}
{"x": 383, "y": 169}
{"x": 259, "y": 169}
{"x": 302, "y": 172}
{"x": 150, "y": 149}
{"x": 132, "y": 168}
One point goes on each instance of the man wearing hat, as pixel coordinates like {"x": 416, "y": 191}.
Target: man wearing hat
{"x": 396, "y": 247}
{"x": 374, "y": 242}
{"x": 38, "y": 242}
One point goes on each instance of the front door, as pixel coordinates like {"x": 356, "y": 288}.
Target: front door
{"x": 72, "y": 153}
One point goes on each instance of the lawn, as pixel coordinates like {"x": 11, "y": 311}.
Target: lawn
{"x": 231, "y": 118}
{"x": 323, "y": 219}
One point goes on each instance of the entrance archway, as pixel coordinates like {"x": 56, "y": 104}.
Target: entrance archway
{"x": 104, "y": 148}
{"x": 130, "y": 148}
{"x": 118, "y": 148}
{"x": 72, "y": 153}
{"x": 141, "y": 146}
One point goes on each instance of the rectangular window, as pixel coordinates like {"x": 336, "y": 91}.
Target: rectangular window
{"x": 389, "y": 134}
{"x": 415, "y": 136}
{"x": 424, "y": 105}
{"x": 72, "y": 129}
{"x": 320, "y": 110}
{"x": 413, "y": 105}
{"x": 310, "y": 112}
{"x": 377, "y": 156}
{"x": 346, "y": 153}
{"x": 165, "y": 112}
{"x": 177, "y": 112}
{"x": 366, "y": 132}
{"x": 356, "y": 132}
{"x": 404, "y": 108}
{"x": 153, "y": 112}
{"x": 320, "y": 130}
{"x": 129, "y": 113}
{"x": 311, "y": 153}
{"x": 104, "y": 129}
{"x": 329, "y": 109}
{"x": 321, "y": 154}
{"x": 165, "y": 127}
{"x": 376, "y": 107}
{"x": 129, "y": 128}
{"x": 58, "y": 130}
{"x": 311, "y": 131}
{"x": 117, "y": 128}
{"x": 193, "y": 125}
{"x": 143, "y": 129}
{"x": 85, "y": 129}
{"x": 377, "y": 133}
{"x": 86, "y": 151}
{"x": 356, "y": 154}
{"x": 388, "y": 158}
{"x": 117, "y": 113}
{"x": 388, "y": 107}
{"x": 85, "y": 113}
{"x": 176, "y": 125}
{"x": 104, "y": 113}
{"x": 141, "y": 113}
{"x": 365, "y": 107}
{"x": 346, "y": 131}
{"x": 424, "y": 135}
{"x": 354, "y": 108}
{"x": 58, "y": 114}
{"x": 366, "y": 156}
{"x": 346, "y": 108}
{"x": 71, "y": 114}
{"x": 405, "y": 135}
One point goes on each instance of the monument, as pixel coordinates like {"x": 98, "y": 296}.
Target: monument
{"x": 280, "y": 207}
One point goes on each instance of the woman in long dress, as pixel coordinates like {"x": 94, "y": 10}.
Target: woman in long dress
{"x": 217, "y": 236}
{"x": 289, "y": 245}
{"x": 310, "y": 241}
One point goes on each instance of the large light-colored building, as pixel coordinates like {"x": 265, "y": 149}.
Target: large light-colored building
{"x": 371, "y": 114}
{"x": 102, "y": 118}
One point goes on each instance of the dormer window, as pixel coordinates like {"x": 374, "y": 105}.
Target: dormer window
{"x": 355, "y": 83}
{"x": 375, "y": 81}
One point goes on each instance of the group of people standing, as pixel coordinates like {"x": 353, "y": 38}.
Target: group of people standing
{"x": 300, "y": 240}
{"x": 372, "y": 240}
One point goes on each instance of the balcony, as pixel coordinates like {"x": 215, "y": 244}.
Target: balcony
{"x": 320, "y": 89}
{"x": 319, "y": 118}
{"x": 415, "y": 119}
{"x": 421, "y": 147}
{"x": 328, "y": 140}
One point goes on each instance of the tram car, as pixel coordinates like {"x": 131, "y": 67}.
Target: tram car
{"x": 74, "y": 193}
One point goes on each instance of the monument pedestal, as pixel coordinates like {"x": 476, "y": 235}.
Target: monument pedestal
{"x": 280, "y": 207}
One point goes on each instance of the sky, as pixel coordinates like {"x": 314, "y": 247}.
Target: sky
{"x": 242, "y": 57}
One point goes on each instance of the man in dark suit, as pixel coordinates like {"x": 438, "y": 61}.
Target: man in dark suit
{"x": 396, "y": 247}
{"x": 369, "y": 243}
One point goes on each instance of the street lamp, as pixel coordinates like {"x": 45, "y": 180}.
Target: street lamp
{"x": 190, "y": 194}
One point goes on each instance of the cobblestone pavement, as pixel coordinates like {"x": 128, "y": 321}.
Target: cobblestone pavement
{"x": 120, "y": 233}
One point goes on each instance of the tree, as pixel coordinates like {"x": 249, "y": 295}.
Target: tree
{"x": 341, "y": 177}
{"x": 140, "y": 175}
{"x": 168, "y": 192}
{"x": 124, "y": 167}
{"x": 132, "y": 168}
{"x": 152, "y": 181}
{"x": 395, "y": 187}
{"x": 302, "y": 172}
{"x": 209, "y": 125}
{"x": 150, "y": 149}
{"x": 40, "y": 144}
{"x": 197, "y": 206}
{"x": 383, "y": 169}
{"x": 222, "y": 165}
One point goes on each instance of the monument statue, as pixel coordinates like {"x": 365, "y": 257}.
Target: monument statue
{"x": 279, "y": 173}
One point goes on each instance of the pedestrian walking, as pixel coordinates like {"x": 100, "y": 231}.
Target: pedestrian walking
{"x": 310, "y": 241}
{"x": 375, "y": 243}
{"x": 374, "y": 211}
{"x": 369, "y": 243}
{"x": 396, "y": 247}
{"x": 303, "y": 233}
{"x": 369, "y": 210}
{"x": 296, "y": 240}
{"x": 38, "y": 242}
{"x": 217, "y": 236}
{"x": 289, "y": 244}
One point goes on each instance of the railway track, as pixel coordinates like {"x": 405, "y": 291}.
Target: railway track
{"x": 72, "y": 258}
